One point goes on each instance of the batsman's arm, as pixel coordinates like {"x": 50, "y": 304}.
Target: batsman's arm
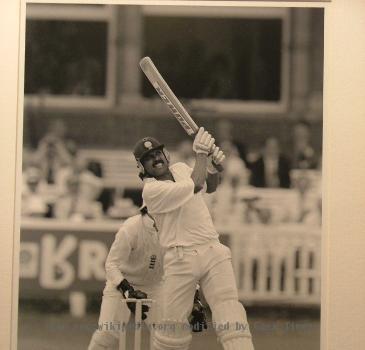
{"x": 199, "y": 172}
{"x": 213, "y": 175}
{"x": 213, "y": 181}
{"x": 202, "y": 145}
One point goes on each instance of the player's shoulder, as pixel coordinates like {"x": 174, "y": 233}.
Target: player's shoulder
{"x": 151, "y": 186}
{"x": 129, "y": 230}
{"x": 132, "y": 223}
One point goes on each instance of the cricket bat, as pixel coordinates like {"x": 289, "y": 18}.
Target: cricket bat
{"x": 167, "y": 95}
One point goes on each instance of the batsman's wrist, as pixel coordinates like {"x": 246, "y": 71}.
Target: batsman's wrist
{"x": 202, "y": 152}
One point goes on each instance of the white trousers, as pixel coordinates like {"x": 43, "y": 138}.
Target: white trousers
{"x": 209, "y": 265}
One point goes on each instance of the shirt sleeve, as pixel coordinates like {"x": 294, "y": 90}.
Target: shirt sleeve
{"x": 119, "y": 253}
{"x": 165, "y": 196}
{"x": 188, "y": 170}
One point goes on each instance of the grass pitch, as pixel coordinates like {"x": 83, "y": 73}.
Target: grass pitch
{"x": 39, "y": 330}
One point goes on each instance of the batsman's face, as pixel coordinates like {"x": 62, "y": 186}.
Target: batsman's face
{"x": 155, "y": 163}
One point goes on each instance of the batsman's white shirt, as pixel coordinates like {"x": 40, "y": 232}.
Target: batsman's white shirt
{"x": 135, "y": 254}
{"x": 182, "y": 217}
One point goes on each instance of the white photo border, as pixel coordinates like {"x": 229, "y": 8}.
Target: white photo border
{"x": 343, "y": 278}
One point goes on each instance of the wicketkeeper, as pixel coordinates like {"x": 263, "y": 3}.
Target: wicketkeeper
{"x": 134, "y": 270}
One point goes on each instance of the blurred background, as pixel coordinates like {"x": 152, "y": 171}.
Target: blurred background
{"x": 252, "y": 76}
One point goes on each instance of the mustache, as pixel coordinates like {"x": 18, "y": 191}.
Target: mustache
{"x": 158, "y": 162}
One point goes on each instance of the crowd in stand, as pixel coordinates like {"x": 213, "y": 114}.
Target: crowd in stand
{"x": 57, "y": 183}
{"x": 264, "y": 184}
{"x": 261, "y": 185}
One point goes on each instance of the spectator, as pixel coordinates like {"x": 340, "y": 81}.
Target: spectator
{"x": 57, "y": 129}
{"x": 74, "y": 204}
{"x": 33, "y": 202}
{"x": 309, "y": 199}
{"x": 51, "y": 155}
{"x": 90, "y": 185}
{"x": 35, "y": 182}
{"x": 225, "y": 203}
{"x": 122, "y": 207}
{"x": 90, "y": 173}
{"x": 224, "y": 134}
{"x": 74, "y": 165}
{"x": 235, "y": 171}
{"x": 272, "y": 169}
{"x": 304, "y": 156}
{"x": 54, "y": 151}
{"x": 102, "y": 194}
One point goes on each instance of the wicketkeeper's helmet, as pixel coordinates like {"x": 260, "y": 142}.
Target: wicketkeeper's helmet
{"x": 143, "y": 147}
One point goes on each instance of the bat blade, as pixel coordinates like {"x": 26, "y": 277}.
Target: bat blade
{"x": 168, "y": 96}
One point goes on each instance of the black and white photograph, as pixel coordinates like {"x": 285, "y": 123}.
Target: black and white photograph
{"x": 171, "y": 181}
{"x": 182, "y": 174}
{"x": 171, "y": 156}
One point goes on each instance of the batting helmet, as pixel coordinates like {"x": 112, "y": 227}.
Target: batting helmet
{"x": 143, "y": 147}
{"x": 146, "y": 145}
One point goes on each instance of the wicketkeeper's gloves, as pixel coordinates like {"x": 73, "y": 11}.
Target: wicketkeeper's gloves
{"x": 197, "y": 319}
{"x": 128, "y": 292}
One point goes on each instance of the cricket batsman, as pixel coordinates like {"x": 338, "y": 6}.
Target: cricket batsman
{"x": 134, "y": 270}
{"x": 192, "y": 251}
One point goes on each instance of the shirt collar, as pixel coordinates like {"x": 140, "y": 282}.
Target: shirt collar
{"x": 151, "y": 179}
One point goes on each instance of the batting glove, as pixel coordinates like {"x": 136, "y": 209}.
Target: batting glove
{"x": 128, "y": 292}
{"x": 216, "y": 158}
{"x": 197, "y": 319}
{"x": 203, "y": 142}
